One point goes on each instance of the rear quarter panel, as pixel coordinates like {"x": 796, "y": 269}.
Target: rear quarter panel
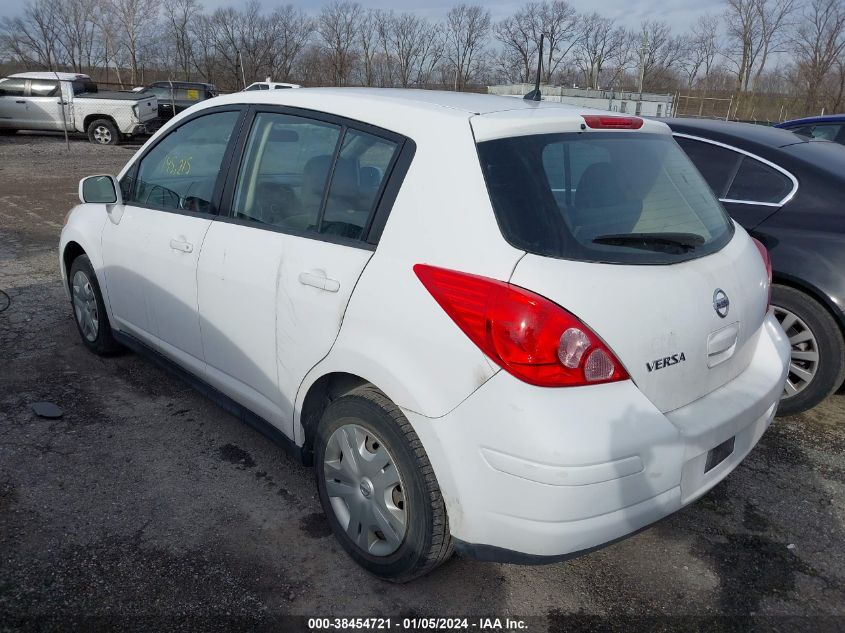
{"x": 394, "y": 334}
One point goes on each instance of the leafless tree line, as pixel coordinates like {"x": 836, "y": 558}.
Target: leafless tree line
{"x": 753, "y": 48}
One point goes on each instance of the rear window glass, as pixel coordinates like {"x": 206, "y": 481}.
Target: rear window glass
{"x": 605, "y": 197}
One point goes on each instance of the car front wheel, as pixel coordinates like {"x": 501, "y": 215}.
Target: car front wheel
{"x": 817, "y": 363}
{"x": 378, "y": 489}
{"x": 88, "y": 308}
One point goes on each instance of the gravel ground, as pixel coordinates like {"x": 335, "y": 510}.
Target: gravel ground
{"x": 146, "y": 506}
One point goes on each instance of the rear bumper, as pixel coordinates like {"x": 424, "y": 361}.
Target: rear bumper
{"x": 534, "y": 475}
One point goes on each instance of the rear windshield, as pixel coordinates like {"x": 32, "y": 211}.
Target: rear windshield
{"x": 622, "y": 197}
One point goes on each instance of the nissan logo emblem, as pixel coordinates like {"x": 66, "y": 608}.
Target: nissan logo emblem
{"x": 721, "y": 303}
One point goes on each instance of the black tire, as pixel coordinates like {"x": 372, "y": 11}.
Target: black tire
{"x": 427, "y": 542}
{"x": 103, "y": 344}
{"x": 103, "y": 132}
{"x": 830, "y": 369}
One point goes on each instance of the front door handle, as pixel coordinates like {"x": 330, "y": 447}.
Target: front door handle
{"x": 319, "y": 281}
{"x": 181, "y": 245}
{"x": 20, "y": 101}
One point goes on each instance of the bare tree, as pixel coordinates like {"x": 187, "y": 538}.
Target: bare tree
{"x": 819, "y": 44}
{"x": 33, "y": 38}
{"x": 661, "y": 53}
{"x": 701, "y": 50}
{"x": 338, "y": 25}
{"x": 136, "y": 22}
{"x": 561, "y": 26}
{"x": 602, "y": 41}
{"x": 179, "y": 15}
{"x": 467, "y": 30}
{"x": 516, "y": 33}
{"x": 412, "y": 44}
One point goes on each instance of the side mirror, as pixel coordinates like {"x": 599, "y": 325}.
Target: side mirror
{"x": 100, "y": 189}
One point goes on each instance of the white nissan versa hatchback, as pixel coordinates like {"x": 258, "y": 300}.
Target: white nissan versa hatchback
{"x": 518, "y": 330}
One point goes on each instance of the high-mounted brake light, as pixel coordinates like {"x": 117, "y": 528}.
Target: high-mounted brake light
{"x": 767, "y": 262}
{"x": 601, "y": 122}
{"x": 525, "y": 334}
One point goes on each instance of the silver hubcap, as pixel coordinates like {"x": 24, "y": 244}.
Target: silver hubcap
{"x": 804, "y": 363}
{"x": 85, "y": 306}
{"x": 102, "y": 134}
{"x": 365, "y": 490}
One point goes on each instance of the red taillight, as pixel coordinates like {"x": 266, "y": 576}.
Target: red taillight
{"x": 764, "y": 253}
{"x": 601, "y": 122}
{"x": 525, "y": 334}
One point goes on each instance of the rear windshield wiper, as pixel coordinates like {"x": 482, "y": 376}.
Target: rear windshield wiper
{"x": 653, "y": 241}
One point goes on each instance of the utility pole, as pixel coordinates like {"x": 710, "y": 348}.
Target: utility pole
{"x": 643, "y": 53}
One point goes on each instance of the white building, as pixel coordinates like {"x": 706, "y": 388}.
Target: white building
{"x": 645, "y": 104}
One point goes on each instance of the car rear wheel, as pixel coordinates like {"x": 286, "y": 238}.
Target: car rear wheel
{"x": 378, "y": 489}
{"x": 817, "y": 363}
{"x": 103, "y": 132}
{"x": 89, "y": 310}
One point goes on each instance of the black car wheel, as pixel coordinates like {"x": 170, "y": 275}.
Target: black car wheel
{"x": 817, "y": 365}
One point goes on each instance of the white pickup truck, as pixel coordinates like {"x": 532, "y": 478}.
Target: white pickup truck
{"x": 50, "y": 101}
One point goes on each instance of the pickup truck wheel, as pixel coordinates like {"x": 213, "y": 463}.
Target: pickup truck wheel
{"x": 103, "y": 132}
{"x": 817, "y": 366}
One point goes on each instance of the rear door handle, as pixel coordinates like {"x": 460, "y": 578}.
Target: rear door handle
{"x": 19, "y": 101}
{"x": 181, "y": 245}
{"x": 319, "y": 281}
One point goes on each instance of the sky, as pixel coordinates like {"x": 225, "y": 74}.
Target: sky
{"x": 680, "y": 14}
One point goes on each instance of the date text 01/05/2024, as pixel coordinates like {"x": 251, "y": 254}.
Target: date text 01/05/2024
{"x": 417, "y": 623}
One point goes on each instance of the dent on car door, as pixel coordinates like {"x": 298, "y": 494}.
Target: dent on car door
{"x": 276, "y": 276}
{"x": 152, "y": 243}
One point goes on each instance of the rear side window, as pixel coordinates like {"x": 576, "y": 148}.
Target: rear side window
{"x": 357, "y": 180}
{"x": 181, "y": 171}
{"x": 83, "y": 87}
{"x": 605, "y": 197}
{"x": 12, "y": 87}
{"x": 826, "y": 131}
{"x": 758, "y": 182}
{"x": 43, "y": 88}
{"x": 286, "y": 167}
{"x": 717, "y": 164}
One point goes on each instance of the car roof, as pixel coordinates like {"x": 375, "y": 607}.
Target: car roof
{"x": 828, "y": 118}
{"x": 747, "y": 133}
{"x": 51, "y": 75}
{"x": 413, "y": 111}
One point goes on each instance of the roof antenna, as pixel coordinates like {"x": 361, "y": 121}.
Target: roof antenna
{"x": 535, "y": 94}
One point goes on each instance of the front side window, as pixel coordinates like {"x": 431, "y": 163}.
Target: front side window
{"x": 12, "y": 87}
{"x": 757, "y": 182}
{"x": 610, "y": 197}
{"x": 181, "y": 171}
{"x": 43, "y": 88}
{"x": 285, "y": 170}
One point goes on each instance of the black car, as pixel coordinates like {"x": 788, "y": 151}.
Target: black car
{"x": 789, "y": 193}
{"x": 176, "y": 96}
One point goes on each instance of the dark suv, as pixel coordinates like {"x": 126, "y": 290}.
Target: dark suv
{"x": 176, "y": 96}
{"x": 786, "y": 190}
